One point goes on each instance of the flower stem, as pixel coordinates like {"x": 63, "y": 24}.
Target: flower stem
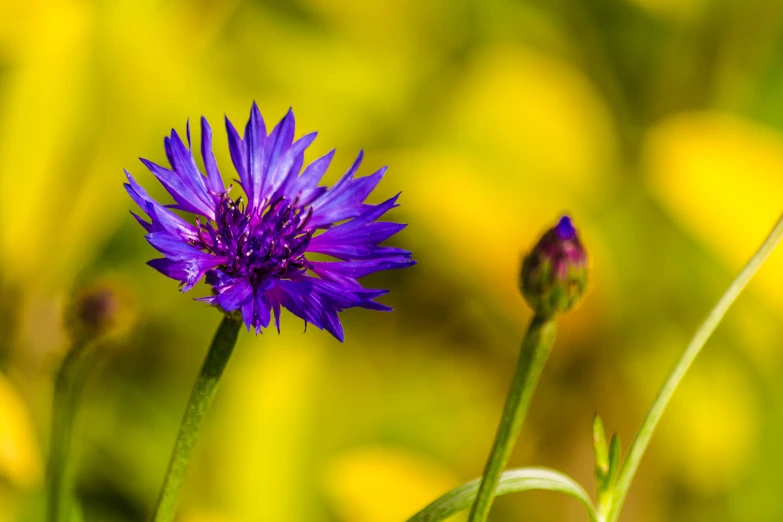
{"x": 200, "y": 398}
{"x": 635, "y": 453}
{"x": 68, "y": 388}
{"x": 534, "y": 353}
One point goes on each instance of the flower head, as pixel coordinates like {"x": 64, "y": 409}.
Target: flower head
{"x": 253, "y": 249}
{"x": 554, "y": 274}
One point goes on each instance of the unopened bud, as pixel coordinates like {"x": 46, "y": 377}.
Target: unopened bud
{"x": 554, "y": 273}
{"x": 98, "y": 311}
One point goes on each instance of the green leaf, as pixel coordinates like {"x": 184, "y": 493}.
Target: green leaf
{"x": 606, "y": 481}
{"x": 600, "y": 448}
{"x": 512, "y": 481}
{"x": 614, "y": 459}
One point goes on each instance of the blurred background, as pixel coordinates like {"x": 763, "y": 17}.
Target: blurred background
{"x": 658, "y": 124}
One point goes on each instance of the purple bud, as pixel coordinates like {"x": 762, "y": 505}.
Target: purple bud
{"x": 98, "y": 310}
{"x": 554, "y": 274}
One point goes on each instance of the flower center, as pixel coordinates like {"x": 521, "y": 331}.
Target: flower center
{"x": 268, "y": 245}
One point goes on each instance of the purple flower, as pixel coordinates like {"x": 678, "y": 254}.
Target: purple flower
{"x": 253, "y": 250}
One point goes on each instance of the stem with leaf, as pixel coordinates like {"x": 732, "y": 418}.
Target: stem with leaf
{"x": 640, "y": 443}
{"x": 512, "y": 481}
{"x": 535, "y": 351}
{"x": 200, "y": 399}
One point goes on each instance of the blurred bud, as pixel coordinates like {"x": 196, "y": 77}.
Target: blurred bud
{"x": 554, "y": 274}
{"x": 99, "y": 310}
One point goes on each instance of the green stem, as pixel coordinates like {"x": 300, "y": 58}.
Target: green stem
{"x": 534, "y": 353}
{"x": 635, "y": 453}
{"x": 200, "y": 398}
{"x": 68, "y": 388}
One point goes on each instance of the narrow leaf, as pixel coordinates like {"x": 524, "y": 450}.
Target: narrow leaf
{"x": 600, "y": 448}
{"x": 614, "y": 458}
{"x": 512, "y": 481}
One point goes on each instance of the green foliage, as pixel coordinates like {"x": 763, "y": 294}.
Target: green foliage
{"x": 512, "y": 481}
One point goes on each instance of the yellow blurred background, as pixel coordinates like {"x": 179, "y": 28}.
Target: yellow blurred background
{"x": 658, "y": 124}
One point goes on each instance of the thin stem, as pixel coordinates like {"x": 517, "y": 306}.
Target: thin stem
{"x": 534, "y": 353}
{"x": 635, "y": 453}
{"x": 68, "y": 388}
{"x": 200, "y": 398}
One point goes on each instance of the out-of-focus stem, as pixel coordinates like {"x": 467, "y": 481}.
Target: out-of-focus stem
{"x": 68, "y": 388}
{"x": 636, "y": 452}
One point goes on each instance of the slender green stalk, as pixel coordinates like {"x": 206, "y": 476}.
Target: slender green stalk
{"x": 200, "y": 398}
{"x": 535, "y": 351}
{"x": 68, "y": 388}
{"x": 635, "y": 453}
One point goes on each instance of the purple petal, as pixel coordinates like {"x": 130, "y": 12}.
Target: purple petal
{"x": 235, "y": 295}
{"x": 214, "y": 180}
{"x": 347, "y": 272}
{"x": 166, "y": 221}
{"x": 173, "y": 269}
{"x": 304, "y": 300}
{"x": 247, "y": 314}
{"x": 285, "y": 172}
{"x": 345, "y": 199}
{"x": 237, "y": 149}
{"x": 279, "y": 157}
{"x": 360, "y": 251}
{"x": 186, "y": 199}
{"x": 360, "y": 237}
{"x": 276, "y": 310}
{"x": 306, "y": 187}
{"x": 162, "y": 218}
{"x": 318, "y": 302}
{"x": 147, "y": 226}
{"x": 183, "y": 163}
{"x": 256, "y": 154}
{"x": 262, "y": 310}
{"x": 192, "y": 261}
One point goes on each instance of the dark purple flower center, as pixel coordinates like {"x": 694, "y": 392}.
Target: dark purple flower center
{"x": 270, "y": 244}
